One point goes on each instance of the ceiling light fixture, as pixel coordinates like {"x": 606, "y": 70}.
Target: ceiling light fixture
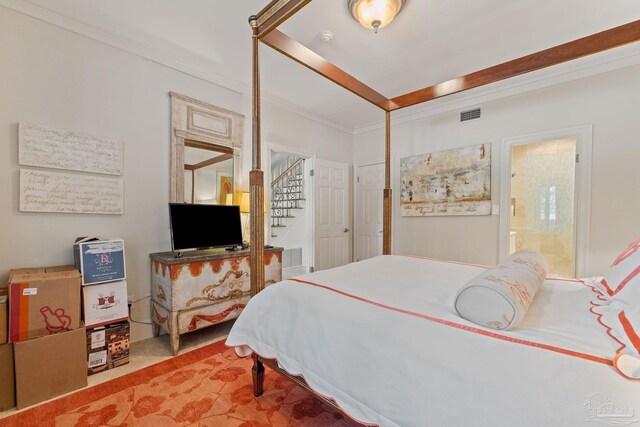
{"x": 375, "y": 14}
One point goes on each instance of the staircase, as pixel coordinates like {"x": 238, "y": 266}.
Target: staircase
{"x": 287, "y": 191}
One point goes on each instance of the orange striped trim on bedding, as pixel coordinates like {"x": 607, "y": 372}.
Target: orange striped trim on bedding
{"x": 626, "y": 325}
{"x": 630, "y": 250}
{"x": 467, "y": 328}
{"x": 627, "y": 279}
{"x": 607, "y": 287}
{"x": 628, "y": 328}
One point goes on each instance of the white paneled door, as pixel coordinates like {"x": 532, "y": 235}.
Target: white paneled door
{"x": 332, "y": 225}
{"x": 369, "y": 190}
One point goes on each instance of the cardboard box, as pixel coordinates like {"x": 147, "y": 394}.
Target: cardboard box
{"x": 4, "y": 320}
{"x": 7, "y": 379}
{"x": 49, "y": 366}
{"x": 99, "y": 260}
{"x": 43, "y": 301}
{"x": 105, "y": 303}
{"x": 107, "y": 347}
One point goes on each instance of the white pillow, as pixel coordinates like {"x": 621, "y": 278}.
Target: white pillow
{"x": 500, "y": 297}
{"x": 619, "y": 308}
{"x": 623, "y": 321}
{"x": 625, "y": 269}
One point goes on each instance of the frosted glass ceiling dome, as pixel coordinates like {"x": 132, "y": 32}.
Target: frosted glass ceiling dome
{"x": 375, "y": 14}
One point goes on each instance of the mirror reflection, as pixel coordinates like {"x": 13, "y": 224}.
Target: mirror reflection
{"x": 208, "y": 174}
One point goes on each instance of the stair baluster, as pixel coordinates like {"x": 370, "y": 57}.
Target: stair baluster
{"x": 287, "y": 191}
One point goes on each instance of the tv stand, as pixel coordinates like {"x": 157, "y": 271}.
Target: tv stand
{"x": 195, "y": 289}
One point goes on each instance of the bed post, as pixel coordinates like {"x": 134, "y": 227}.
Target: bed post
{"x": 386, "y": 220}
{"x": 258, "y": 376}
{"x": 256, "y": 176}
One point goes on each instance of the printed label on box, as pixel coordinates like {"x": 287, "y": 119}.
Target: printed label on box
{"x": 102, "y": 261}
{"x": 98, "y": 358}
{"x": 97, "y": 339}
{"x": 105, "y": 303}
{"x": 29, "y": 291}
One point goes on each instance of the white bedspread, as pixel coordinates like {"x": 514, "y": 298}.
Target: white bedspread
{"x": 381, "y": 338}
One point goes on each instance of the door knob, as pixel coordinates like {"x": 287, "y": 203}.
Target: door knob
{"x": 346, "y": 230}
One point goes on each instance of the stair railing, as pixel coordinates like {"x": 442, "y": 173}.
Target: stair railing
{"x": 287, "y": 190}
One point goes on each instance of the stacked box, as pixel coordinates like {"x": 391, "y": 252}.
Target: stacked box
{"x": 7, "y": 376}
{"x": 99, "y": 260}
{"x": 49, "y": 366}
{"x": 107, "y": 347}
{"x": 46, "y": 333}
{"x": 104, "y": 301}
{"x": 4, "y": 320}
{"x": 43, "y": 301}
{"x": 104, "y": 290}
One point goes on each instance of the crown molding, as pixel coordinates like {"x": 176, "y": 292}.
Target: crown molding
{"x": 155, "y": 50}
{"x": 174, "y": 57}
{"x": 611, "y": 60}
{"x": 144, "y": 46}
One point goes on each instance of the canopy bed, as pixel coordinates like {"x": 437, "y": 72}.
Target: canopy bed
{"x": 281, "y": 305}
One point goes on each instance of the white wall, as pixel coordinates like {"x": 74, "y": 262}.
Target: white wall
{"x": 54, "y": 77}
{"x": 608, "y": 101}
{"x": 283, "y": 129}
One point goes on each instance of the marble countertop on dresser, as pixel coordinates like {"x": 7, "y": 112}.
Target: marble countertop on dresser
{"x": 203, "y": 255}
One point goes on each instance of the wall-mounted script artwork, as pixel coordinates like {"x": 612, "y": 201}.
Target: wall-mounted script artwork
{"x": 61, "y": 149}
{"x": 43, "y": 191}
{"x": 451, "y": 182}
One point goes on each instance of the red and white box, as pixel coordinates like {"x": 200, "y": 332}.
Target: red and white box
{"x": 105, "y": 303}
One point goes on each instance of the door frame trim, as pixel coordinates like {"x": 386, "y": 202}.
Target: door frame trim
{"x": 584, "y": 148}
{"x": 354, "y": 198}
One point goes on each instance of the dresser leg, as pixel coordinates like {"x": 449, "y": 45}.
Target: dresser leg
{"x": 155, "y": 328}
{"x": 258, "y": 376}
{"x": 175, "y": 342}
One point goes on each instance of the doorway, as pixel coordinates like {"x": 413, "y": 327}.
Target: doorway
{"x": 369, "y": 189}
{"x": 545, "y": 184}
{"x": 290, "y": 214}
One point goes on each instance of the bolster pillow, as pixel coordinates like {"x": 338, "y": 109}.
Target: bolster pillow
{"x": 499, "y": 297}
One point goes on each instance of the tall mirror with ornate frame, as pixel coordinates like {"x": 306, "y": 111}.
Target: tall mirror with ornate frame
{"x": 205, "y": 152}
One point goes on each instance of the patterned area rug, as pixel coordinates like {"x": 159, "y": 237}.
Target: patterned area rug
{"x": 209, "y": 386}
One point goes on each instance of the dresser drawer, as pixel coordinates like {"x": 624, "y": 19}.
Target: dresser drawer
{"x": 201, "y": 283}
{"x": 202, "y": 317}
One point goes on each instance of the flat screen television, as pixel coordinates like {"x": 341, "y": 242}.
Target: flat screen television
{"x": 204, "y": 226}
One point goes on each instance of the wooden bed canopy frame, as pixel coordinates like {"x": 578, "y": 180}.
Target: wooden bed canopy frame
{"x": 264, "y": 26}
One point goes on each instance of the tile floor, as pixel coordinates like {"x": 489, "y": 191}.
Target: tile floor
{"x": 153, "y": 350}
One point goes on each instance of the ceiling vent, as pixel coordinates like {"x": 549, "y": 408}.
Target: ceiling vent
{"x": 472, "y": 114}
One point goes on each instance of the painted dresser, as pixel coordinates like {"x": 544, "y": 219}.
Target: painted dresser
{"x": 203, "y": 288}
